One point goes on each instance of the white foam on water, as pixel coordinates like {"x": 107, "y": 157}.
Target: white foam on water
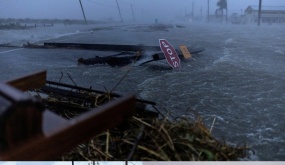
{"x": 280, "y": 51}
{"x": 263, "y": 136}
{"x": 226, "y": 56}
{"x": 8, "y": 51}
{"x": 228, "y": 47}
{"x": 22, "y": 36}
{"x": 230, "y": 41}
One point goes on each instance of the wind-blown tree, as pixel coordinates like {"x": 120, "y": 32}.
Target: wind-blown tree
{"x": 222, "y": 4}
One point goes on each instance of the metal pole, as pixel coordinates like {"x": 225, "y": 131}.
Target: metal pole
{"x": 259, "y": 12}
{"x": 119, "y": 11}
{"x": 82, "y": 11}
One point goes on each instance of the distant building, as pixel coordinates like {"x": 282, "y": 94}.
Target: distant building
{"x": 269, "y": 14}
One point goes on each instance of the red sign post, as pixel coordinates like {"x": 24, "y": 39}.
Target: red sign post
{"x": 169, "y": 53}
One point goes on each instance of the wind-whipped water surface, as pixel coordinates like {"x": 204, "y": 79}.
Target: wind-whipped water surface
{"x": 18, "y": 37}
{"x": 238, "y": 80}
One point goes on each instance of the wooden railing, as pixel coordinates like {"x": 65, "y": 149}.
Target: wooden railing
{"x": 30, "y": 132}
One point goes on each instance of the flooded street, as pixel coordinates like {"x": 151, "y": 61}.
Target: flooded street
{"x": 238, "y": 80}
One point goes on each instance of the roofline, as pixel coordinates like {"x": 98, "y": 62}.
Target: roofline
{"x": 262, "y": 7}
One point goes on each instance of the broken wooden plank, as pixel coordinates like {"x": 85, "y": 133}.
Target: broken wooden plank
{"x": 110, "y": 47}
{"x": 82, "y": 97}
{"x": 78, "y": 130}
{"x": 113, "y": 94}
{"x": 29, "y": 82}
{"x": 68, "y": 93}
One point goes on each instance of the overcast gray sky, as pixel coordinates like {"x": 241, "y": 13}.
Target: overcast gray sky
{"x": 100, "y": 9}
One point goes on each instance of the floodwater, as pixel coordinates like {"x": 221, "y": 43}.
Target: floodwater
{"x": 238, "y": 81}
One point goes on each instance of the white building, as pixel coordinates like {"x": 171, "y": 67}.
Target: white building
{"x": 269, "y": 14}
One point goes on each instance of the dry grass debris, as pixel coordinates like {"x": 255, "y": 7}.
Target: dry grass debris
{"x": 143, "y": 139}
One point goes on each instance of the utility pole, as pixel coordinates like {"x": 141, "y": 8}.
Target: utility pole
{"x": 201, "y": 11}
{"x": 193, "y": 4}
{"x": 119, "y": 11}
{"x": 208, "y": 15}
{"x": 227, "y": 12}
{"x": 142, "y": 15}
{"x": 82, "y": 11}
{"x": 259, "y": 12}
{"x": 133, "y": 12}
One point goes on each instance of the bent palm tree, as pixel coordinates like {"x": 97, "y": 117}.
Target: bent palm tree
{"x": 222, "y": 4}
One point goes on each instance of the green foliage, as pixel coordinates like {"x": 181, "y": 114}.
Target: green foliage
{"x": 222, "y": 4}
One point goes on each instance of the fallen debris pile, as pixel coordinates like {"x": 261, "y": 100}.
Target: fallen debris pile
{"x": 70, "y": 100}
{"x": 144, "y": 139}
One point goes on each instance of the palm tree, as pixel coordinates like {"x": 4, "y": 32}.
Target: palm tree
{"x": 223, "y": 5}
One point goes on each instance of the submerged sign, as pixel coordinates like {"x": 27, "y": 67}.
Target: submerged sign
{"x": 185, "y": 51}
{"x": 169, "y": 53}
